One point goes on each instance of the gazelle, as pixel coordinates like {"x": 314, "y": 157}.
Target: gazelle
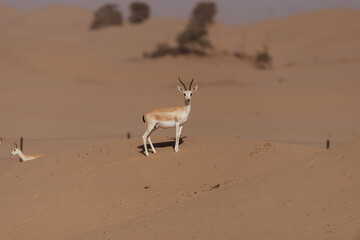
{"x": 169, "y": 117}
{"x": 23, "y": 156}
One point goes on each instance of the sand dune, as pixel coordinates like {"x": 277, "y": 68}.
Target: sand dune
{"x": 327, "y": 35}
{"x": 58, "y": 60}
{"x": 213, "y": 188}
{"x": 74, "y": 93}
{"x": 55, "y": 39}
{"x": 324, "y": 36}
{"x": 66, "y": 73}
{"x": 7, "y": 14}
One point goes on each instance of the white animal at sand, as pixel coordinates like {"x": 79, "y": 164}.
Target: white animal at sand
{"x": 169, "y": 117}
{"x": 22, "y": 156}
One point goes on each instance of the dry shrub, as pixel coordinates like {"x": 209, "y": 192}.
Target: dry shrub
{"x": 164, "y": 49}
{"x": 203, "y": 13}
{"x": 193, "y": 40}
{"x": 263, "y": 58}
{"x": 140, "y": 11}
{"x": 193, "y": 37}
{"x": 161, "y": 50}
{"x": 195, "y": 34}
{"x": 107, "y": 15}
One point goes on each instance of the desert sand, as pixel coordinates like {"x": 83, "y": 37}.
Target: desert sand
{"x": 252, "y": 162}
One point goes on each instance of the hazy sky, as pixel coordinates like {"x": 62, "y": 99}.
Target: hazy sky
{"x": 229, "y": 11}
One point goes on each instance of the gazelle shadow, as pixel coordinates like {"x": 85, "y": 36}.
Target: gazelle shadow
{"x": 161, "y": 144}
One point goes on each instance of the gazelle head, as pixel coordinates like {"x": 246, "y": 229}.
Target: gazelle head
{"x": 16, "y": 150}
{"x": 187, "y": 92}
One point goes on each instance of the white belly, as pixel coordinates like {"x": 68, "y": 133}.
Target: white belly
{"x": 169, "y": 124}
{"x": 166, "y": 124}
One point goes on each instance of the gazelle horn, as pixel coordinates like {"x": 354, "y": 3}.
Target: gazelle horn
{"x": 191, "y": 84}
{"x": 182, "y": 84}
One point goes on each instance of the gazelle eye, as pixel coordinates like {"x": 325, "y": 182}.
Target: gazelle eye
{"x": 190, "y": 94}
{"x": 184, "y": 94}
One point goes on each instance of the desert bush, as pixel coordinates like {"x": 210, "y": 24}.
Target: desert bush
{"x": 243, "y": 56}
{"x": 107, "y": 15}
{"x": 193, "y": 40}
{"x": 263, "y": 58}
{"x": 140, "y": 11}
{"x": 193, "y": 36}
{"x": 161, "y": 50}
{"x": 195, "y": 33}
{"x": 164, "y": 49}
{"x": 203, "y": 14}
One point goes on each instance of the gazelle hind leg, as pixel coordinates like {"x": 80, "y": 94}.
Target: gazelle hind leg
{"x": 152, "y": 147}
{"x": 149, "y": 139}
{"x": 146, "y": 135}
{"x": 144, "y": 140}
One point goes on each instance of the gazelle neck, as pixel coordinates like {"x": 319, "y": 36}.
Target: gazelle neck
{"x": 188, "y": 106}
{"x": 22, "y": 155}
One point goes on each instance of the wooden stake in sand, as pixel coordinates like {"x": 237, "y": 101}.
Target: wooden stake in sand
{"x": 328, "y": 144}
{"x": 21, "y": 145}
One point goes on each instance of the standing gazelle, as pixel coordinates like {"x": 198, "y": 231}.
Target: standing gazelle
{"x": 169, "y": 117}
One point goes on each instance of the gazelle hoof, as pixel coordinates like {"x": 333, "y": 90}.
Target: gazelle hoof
{"x": 146, "y": 154}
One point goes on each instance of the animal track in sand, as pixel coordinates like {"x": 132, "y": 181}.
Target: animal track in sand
{"x": 268, "y": 147}
{"x": 209, "y": 189}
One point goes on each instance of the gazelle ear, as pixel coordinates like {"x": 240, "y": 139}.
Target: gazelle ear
{"x": 195, "y": 88}
{"x": 180, "y": 89}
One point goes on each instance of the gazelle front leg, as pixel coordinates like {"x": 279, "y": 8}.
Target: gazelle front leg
{"x": 177, "y": 137}
{"x": 181, "y": 127}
